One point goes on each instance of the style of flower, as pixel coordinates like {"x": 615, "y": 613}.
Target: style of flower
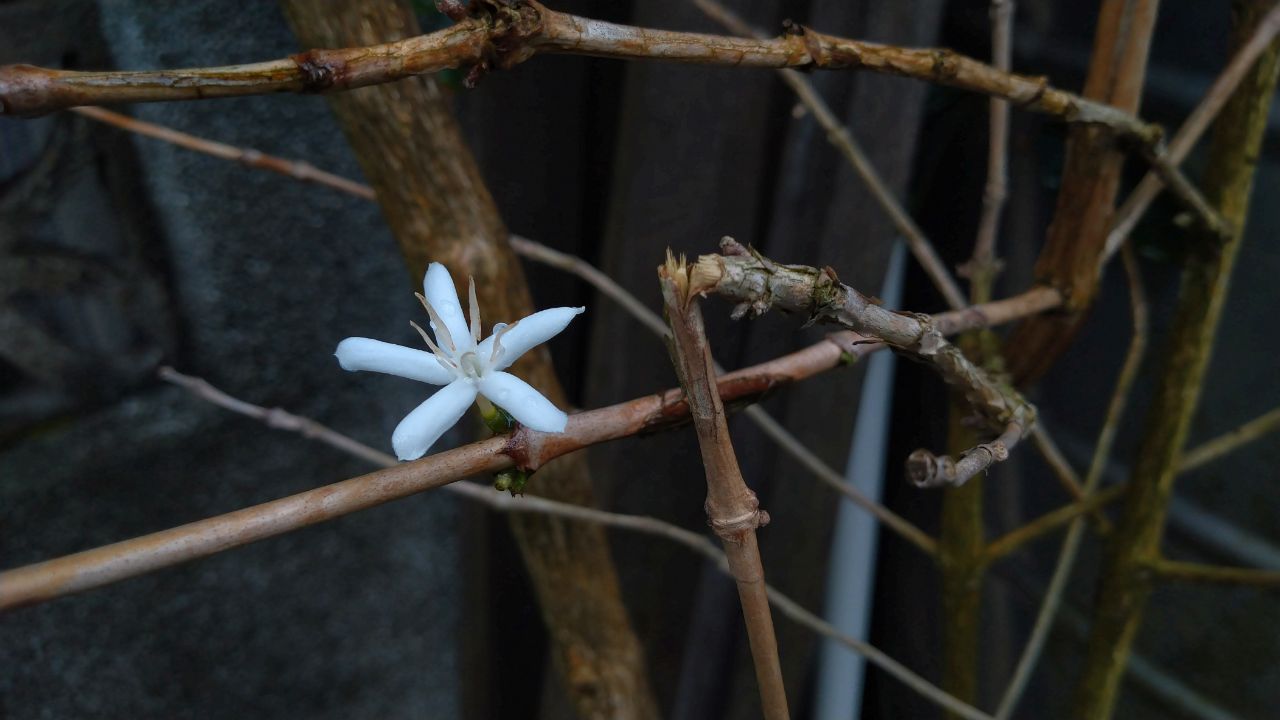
{"x": 462, "y": 363}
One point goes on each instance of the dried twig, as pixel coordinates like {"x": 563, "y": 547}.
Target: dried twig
{"x": 758, "y": 284}
{"x": 733, "y": 511}
{"x": 296, "y": 169}
{"x": 1230, "y": 441}
{"x": 983, "y": 266}
{"x": 501, "y": 35}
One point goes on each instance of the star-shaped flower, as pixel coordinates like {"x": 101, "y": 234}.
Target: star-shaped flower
{"x": 462, "y": 363}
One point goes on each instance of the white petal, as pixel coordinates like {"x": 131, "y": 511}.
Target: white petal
{"x": 357, "y": 353}
{"x": 440, "y": 291}
{"x": 420, "y": 429}
{"x": 528, "y": 334}
{"x": 523, "y": 402}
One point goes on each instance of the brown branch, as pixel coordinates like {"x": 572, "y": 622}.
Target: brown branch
{"x": 1229, "y": 442}
{"x": 757, "y": 284}
{"x": 733, "y": 511}
{"x": 1175, "y": 571}
{"x": 525, "y": 448}
{"x": 506, "y": 503}
{"x": 296, "y": 169}
{"x": 842, "y": 139}
{"x": 983, "y": 266}
{"x": 1049, "y": 522}
{"x": 1192, "y": 128}
{"x": 500, "y": 36}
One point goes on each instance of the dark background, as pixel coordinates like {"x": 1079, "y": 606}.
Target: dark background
{"x": 118, "y": 254}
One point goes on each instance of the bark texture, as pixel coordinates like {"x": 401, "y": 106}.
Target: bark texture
{"x": 438, "y": 208}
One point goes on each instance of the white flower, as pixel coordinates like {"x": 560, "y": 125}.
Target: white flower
{"x": 464, "y": 365}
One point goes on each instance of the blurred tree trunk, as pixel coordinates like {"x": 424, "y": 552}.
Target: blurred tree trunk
{"x": 439, "y": 209}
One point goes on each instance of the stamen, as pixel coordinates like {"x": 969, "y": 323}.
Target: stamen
{"x": 497, "y": 341}
{"x": 442, "y": 330}
{"x": 475, "y": 311}
{"x": 440, "y": 354}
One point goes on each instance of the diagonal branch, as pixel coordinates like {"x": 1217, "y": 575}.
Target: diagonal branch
{"x": 1174, "y": 570}
{"x": 758, "y": 284}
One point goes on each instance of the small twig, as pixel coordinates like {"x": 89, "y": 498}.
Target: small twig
{"x": 1192, "y": 128}
{"x": 1189, "y": 194}
{"x": 296, "y": 169}
{"x": 1231, "y": 441}
{"x": 983, "y": 266}
{"x": 842, "y": 138}
{"x": 732, "y": 508}
{"x": 501, "y": 35}
{"x": 757, "y": 284}
{"x": 1176, "y": 571}
{"x": 1049, "y": 522}
{"x": 503, "y": 502}
{"x": 1097, "y": 466}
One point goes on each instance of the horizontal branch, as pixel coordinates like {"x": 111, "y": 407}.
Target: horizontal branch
{"x": 757, "y": 284}
{"x": 1231, "y": 441}
{"x": 1175, "y": 571}
{"x": 524, "y": 448}
{"x": 507, "y": 503}
{"x": 499, "y": 35}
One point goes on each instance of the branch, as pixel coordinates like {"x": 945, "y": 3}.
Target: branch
{"x": 758, "y": 283}
{"x": 524, "y": 448}
{"x": 1174, "y": 571}
{"x": 733, "y": 511}
{"x": 500, "y": 36}
{"x": 1192, "y": 129}
{"x": 1015, "y": 539}
{"x": 983, "y": 266}
{"x": 840, "y": 136}
{"x": 1229, "y": 442}
{"x": 503, "y": 502}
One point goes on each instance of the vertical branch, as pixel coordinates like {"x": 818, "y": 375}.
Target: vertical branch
{"x": 1090, "y": 178}
{"x": 438, "y": 208}
{"x": 1135, "y": 547}
{"x": 732, "y": 508}
{"x": 983, "y": 266}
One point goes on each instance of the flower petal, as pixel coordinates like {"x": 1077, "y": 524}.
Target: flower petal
{"x": 528, "y": 334}
{"x": 357, "y": 353}
{"x": 420, "y": 429}
{"x": 440, "y": 291}
{"x": 524, "y": 403}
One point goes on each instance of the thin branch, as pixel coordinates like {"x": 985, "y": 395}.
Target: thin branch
{"x": 984, "y": 266}
{"x": 757, "y": 284}
{"x": 733, "y": 511}
{"x": 1051, "y": 521}
{"x": 1175, "y": 571}
{"x": 296, "y": 169}
{"x": 111, "y": 563}
{"x": 1229, "y": 442}
{"x": 572, "y": 264}
{"x": 1097, "y": 466}
{"x": 503, "y": 502}
{"x": 1192, "y": 128}
{"x": 501, "y": 35}
{"x": 842, "y": 138}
